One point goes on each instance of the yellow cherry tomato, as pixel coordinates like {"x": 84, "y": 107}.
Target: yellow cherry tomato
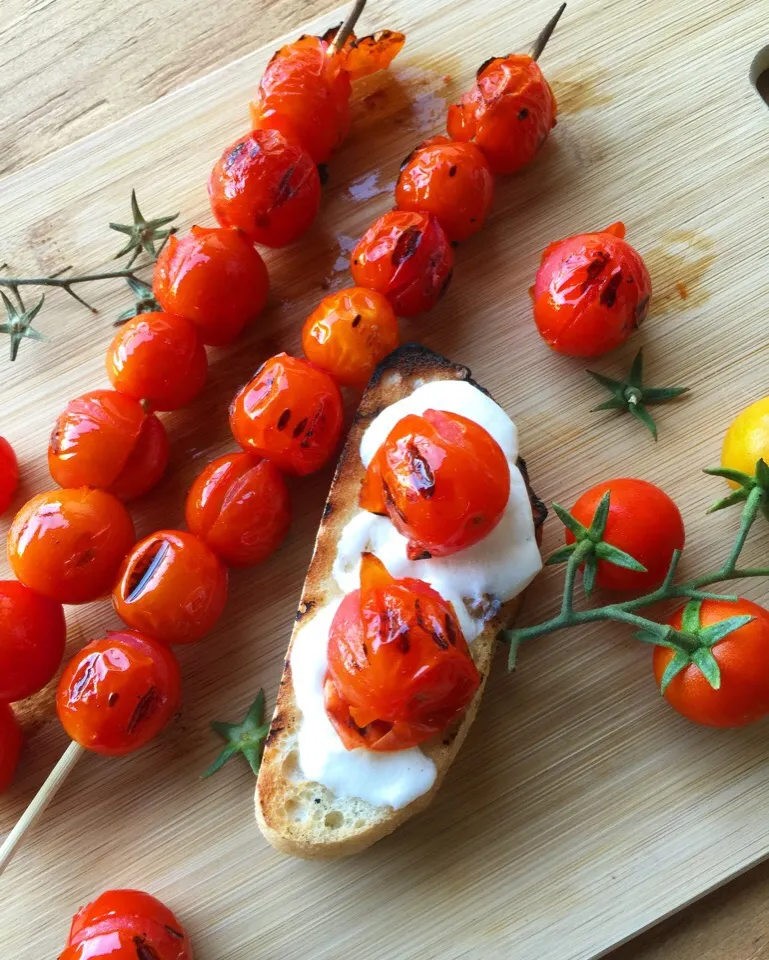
{"x": 747, "y": 439}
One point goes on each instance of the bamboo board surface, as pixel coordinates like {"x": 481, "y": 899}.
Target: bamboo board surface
{"x": 581, "y": 809}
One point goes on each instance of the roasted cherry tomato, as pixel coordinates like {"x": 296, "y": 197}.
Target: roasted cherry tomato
{"x": 32, "y": 636}
{"x": 363, "y": 56}
{"x": 742, "y": 657}
{"x": 290, "y": 413}
{"x": 9, "y": 474}
{"x": 213, "y": 277}
{"x": 644, "y": 522}
{"x": 105, "y": 439}
{"x": 451, "y": 180}
{"x": 240, "y": 506}
{"x": 443, "y": 481}
{"x": 406, "y": 257}
{"x": 10, "y": 746}
{"x": 68, "y": 544}
{"x": 399, "y": 670}
{"x": 267, "y": 187}
{"x": 126, "y": 925}
{"x": 172, "y": 587}
{"x": 117, "y": 693}
{"x": 508, "y": 113}
{"x": 349, "y": 332}
{"x": 592, "y": 291}
{"x": 159, "y": 358}
{"x": 747, "y": 439}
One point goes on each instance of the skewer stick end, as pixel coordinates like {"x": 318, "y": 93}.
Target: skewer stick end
{"x": 541, "y": 42}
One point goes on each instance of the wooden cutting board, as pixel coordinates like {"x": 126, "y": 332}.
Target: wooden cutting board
{"x": 582, "y": 809}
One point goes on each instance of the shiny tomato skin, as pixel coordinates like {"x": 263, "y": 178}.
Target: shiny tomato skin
{"x": 508, "y": 113}
{"x": 68, "y": 544}
{"x": 119, "y": 692}
{"x": 450, "y": 180}
{"x": 407, "y": 258}
{"x": 9, "y": 474}
{"x": 10, "y": 746}
{"x": 213, "y": 277}
{"x": 171, "y": 586}
{"x": 159, "y": 358}
{"x": 644, "y": 522}
{"x": 349, "y": 333}
{"x": 32, "y": 637}
{"x": 591, "y": 293}
{"x": 240, "y": 507}
{"x": 146, "y": 464}
{"x": 742, "y": 656}
{"x": 267, "y": 187}
{"x": 291, "y": 413}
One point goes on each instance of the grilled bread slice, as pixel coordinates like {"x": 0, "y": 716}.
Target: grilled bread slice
{"x": 303, "y": 818}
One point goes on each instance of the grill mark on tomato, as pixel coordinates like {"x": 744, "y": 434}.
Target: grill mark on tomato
{"x": 595, "y": 268}
{"x": 609, "y": 293}
{"x": 317, "y": 416}
{"x": 299, "y": 427}
{"x": 285, "y": 190}
{"x": 406, "y": 245}
{"x": 112, "y": 699}
{"x": 451, "y": 633}
{"x": 356, "y": 319}
{"x": 144, "y": 708}
{"x": 641, "y": 310}
{"x": 283, "y": 419}
{"x": 523, "y": 113}
{"x": 174, "y": 932}
{"x": 234, "y": 154}
{"x": 143, "y": 950}
{"x": 483, "y": 66}
{"x": 421, "y": 475}
{"x": 453, "y": 170}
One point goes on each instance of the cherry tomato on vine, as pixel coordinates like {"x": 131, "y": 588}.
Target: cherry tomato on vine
{"x": 592, "y": 291}
{"x": 406, "y": 257}
{"x": 291, "y": 413}
{"x": 10, "y": 746}
{"x": 159, "y": 358}
{"x": 267, "y": 187}
{"x": 171, "y": 586}
{"x": 126, "y": 925}
{"x": 747, "y": 439}
{"x": 399, "y": 669}
{"x": 9, "y": 474}
{"x": 213, "y": 277}
{"x": 32, "y": 637}
{"x": 240, "y": 506}
{"x": 644, "y": 522}
{"x": 68, "y": 544}
{"x": 105, "y": 439}
{"x": 349, "y": 332}
{"x": 119, "y": 692}
{"x": 742, "y": 657}
{"x": 450, "y": 180}
{"x": 443, "y": 481}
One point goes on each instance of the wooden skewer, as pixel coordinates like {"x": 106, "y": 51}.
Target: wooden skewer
{"x": 346, "y": 29}
{"x": 541, "y": 42}
{"x": 41, "y": 800}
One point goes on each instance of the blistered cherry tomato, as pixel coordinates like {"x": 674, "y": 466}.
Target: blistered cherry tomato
{"x": 240, "y": 506}
{"x": 105, "y": 439}
{"x": 119, "y": 692}
{"x": 406, "y": 257}
{"x": 349, "y": 332}
{"x": 267, "y": 187}
{"x": 508, "y": 113}
{"x": 291, "y": 413}
{"x": 592, "y": 291}
{"x": 10, "y": 746}
{"x": 69, "y": 544}
{"x": 9, "y": 474}
{"x": 451, "y": 180}
{"x": 126, "y": 925}
{"x": 213, "y": 277}
{"x": 172, "y": 587}
{"x": 399, "y": 670}
{"x": 32, "y": 636}
{"x": 363, "y": 56}
{"x": 159, "y": 358}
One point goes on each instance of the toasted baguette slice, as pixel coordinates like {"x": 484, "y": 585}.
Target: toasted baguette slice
{"x": 306, "y": 819}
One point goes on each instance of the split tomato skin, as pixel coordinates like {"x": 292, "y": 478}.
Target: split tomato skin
{"x": 406, "y": 257}
{"x": 11, "y": 740}
{"x": 9, "y": 474}
{"x": 591, "y": 293}
{"x": 32, "y": 637}
{"x": 146, "y": 463}
{"x": 119, "y": 692}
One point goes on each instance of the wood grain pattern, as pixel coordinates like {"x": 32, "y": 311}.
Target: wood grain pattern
{"x": 581, "y": 809}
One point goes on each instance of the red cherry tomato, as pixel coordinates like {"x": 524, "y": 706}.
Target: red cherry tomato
{"x": 399, "y": 670}
{"x": 160, "y": 358}
{"x": 10, "y": 746}
{"x": 104, "y": 439}
{"x": 9, "y": 474}
{"x": 349, "y": 332}
{"x": 119, "y": 692}
{"x": 592, "y": 291}
{"x": 171, "y": 586}
{"x": 363, "y": 56}
{"x": 213, "y": 277}
{"x": 267, "y": 187}
{"x": 32, "y": 636}
{"x": 240, "y": 506}
{"x": 126, "y": 925}
{"x": 290, "y": 413}
{"x": 644, "y": 522}
{"x": 68, "y": 544}
{"x": 450, "y": 180}
{"x": 508, "y": 113}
